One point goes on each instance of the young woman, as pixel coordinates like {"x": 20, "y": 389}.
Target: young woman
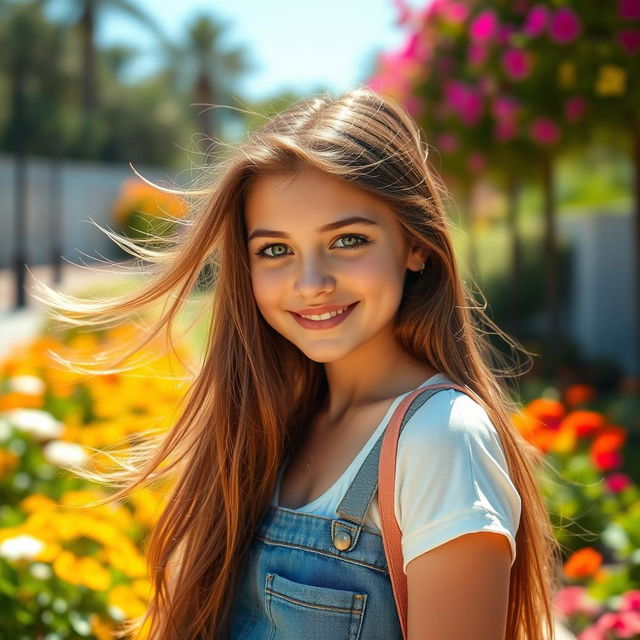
{"x": 336, "y": 294}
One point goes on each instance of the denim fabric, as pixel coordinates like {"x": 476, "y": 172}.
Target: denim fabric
{"x": 297, "y": 584}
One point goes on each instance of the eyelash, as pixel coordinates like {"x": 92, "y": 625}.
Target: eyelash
{"x": 261, "y": 251}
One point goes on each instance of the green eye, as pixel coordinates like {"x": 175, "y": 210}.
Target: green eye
{"x": 261, "y": 252}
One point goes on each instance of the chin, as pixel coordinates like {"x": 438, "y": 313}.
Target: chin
{"x": 324, "y": 355}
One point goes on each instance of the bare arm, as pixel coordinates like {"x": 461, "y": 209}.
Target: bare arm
{"x": 460, "y": 589}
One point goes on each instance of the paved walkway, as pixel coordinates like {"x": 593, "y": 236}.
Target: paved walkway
{"x": 20, "y": 325}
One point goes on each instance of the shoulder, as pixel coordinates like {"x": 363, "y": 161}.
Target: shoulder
{"x": 449, "y": 419}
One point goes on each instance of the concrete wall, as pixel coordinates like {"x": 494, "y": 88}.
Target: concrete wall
{"x": 601, "y": 310}
{"x": 88, "y": 192}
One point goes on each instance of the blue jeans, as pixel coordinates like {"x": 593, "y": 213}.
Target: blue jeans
{"x": 317, "y": 578}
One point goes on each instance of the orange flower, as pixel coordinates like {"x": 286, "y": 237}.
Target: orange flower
{"x": 609, "y": 438}
{"x": 584, "y": 423}
{"x": 546, "y": 411}
{"x": 577, "y": 394}
{"x": 583, "y": 563}
{"x": 564, "y": 440}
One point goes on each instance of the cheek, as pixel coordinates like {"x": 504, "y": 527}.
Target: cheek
{"x": 268, "y": 290}
{"x": 377, "y": 274}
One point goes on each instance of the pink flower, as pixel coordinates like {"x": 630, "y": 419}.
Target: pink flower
{"x": 565, "y": 26}
{"x": 629, "y": 9}
{"x": 476, "y": 162}
{"x": 477, "y": 53}
{"x": 629, "y": 40}
{"x": 545, "y": 131}
{"x": 466, "y": 102}
{"x": 455, "y": 12}
{"x": 591, "y": 633}
{"x": 625, "y": 624}
{"x": 504, "y": 32}
{"x": 413, "y": 105}
{"x": 630, "y": 601}
{"x": 520, "y": 6}
{"x": 505, "y": 107}
{"x": 505, "y": 130}
{"x": 403, "y": 11}
{"x": 516, "y": 63}
{"x": 574, "y": 108}
{"x": 484, "y": 26}
{"x": 447, "y": 142}
{"x": 575, "y": 599}
{"x": 616, "y": 482}
{"x": 537, "y": 20}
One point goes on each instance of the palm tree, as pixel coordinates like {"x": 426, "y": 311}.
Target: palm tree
{"x": 88, "y": 12}
{"x": 202, "y": 67}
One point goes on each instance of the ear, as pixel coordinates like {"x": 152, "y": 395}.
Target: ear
{"x": 417, "y": 255}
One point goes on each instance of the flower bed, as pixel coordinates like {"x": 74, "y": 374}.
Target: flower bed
{"x": 67, "y": 571}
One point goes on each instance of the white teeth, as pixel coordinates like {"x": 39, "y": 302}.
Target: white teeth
{"x": 326, "y": 316}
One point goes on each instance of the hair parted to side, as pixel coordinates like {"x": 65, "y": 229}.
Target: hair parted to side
{"x": 254, "y": 391}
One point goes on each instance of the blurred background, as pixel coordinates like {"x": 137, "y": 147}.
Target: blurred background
{"x": 531, "y": 112}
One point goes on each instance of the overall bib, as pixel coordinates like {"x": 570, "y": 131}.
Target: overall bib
{"x": 316, "y": 578}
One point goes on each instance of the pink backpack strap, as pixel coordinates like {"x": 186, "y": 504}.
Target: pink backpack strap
{"x": 391, "y": 534}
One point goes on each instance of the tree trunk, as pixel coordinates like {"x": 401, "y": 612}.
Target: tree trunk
{"x": 89, "y": 84}
{"x": 636, "y": 235}
{"x": 551, "y": 251}
{"x": 515, "y": 298}
{"x": 20, "y": 185}
{"x": 468, "y": 207}
{"x": 204, "y": 96}
{"x": 55, "y": 213}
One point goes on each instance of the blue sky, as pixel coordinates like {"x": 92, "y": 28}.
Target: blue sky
{"x": 297, "y": 44}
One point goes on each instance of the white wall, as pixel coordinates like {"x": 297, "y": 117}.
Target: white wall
{"x": 88, "y": 192}
{"x": 601, "y": 310}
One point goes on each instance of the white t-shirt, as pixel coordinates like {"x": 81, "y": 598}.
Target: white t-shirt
{"x": 451, "y": 476}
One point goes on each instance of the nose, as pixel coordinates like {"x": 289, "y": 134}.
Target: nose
{"x": 313, "y": 278}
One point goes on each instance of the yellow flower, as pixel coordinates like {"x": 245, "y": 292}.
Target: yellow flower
{"x": 124, "y": 598}
{"x": 65, "y": 567}
{"x": 38, "y": 502}
{"x": 8, "y": 461}
{"x": 566, "y": 74}
{"x": 611, "y": 80}
{"x": 92, "y": 574}
{"x": 100, "y": 629}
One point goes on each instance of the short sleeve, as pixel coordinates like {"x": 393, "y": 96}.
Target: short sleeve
{"x": 452, "y": 476}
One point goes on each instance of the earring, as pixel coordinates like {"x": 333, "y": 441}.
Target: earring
{"x": 422, "y": 268}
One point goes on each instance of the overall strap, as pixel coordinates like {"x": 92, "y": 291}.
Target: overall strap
{"x": 391, "y": 534}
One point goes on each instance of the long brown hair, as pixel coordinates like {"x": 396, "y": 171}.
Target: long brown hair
{"x": 237, "y": 421}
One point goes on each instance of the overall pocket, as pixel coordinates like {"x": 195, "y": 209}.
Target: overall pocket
{"x": 301, "y": 610}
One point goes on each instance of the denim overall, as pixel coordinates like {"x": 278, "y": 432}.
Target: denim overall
{"x": 316, "y": 578}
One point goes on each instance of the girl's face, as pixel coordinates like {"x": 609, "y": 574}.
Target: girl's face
{"x": 307, "y": 251}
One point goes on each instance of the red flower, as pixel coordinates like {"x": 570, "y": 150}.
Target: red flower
{"x": 517, "y": 63}
{"x": 606, "y": 460}
{"x": 616, "y": 482}
{"x": 545, "y": 131}
{"x": 574, "y": 108}
{"x": 565, "y": 26}
{"x": 629, "y": 40}
{"x": 629, "y": 9}
{"x": 584, "y": 423}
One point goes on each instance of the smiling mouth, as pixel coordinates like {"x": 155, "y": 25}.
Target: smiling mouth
{"x": 324, "y": 320}
{"x": 326, "y": 316}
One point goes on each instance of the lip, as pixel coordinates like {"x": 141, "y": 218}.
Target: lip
{"x": 320, "y": 309}
{"x": 323, "y": 324}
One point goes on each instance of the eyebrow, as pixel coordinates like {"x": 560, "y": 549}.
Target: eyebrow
{"x": 268, "y": 233}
